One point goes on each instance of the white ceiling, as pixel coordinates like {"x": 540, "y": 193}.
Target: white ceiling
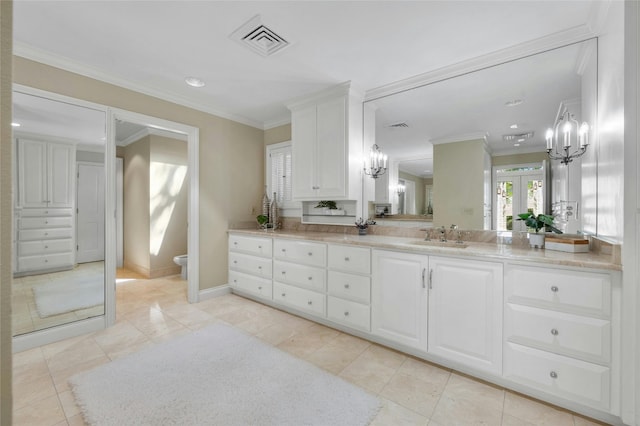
{"x": 151, "y": 46}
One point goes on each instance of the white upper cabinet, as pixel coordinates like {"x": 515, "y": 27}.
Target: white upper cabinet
{"x": 45, "y": 174}
{"x": 327, "y": 145}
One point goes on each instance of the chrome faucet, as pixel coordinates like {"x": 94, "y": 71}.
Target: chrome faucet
{"x": 443, "y": 234}
{"x": 427, "y": 236}
{"x": 459, "y": 239}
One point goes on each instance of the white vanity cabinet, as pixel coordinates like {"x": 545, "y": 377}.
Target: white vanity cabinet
{"x": 399, "y": 297}
{"x": 558, "y": 332}
{"x": 299, "y": 279}
{"x": 349, "y": 286}
{"x": 465, "y": 312}
{"x": 250, "y": 265}
{"x": 326, "y": 134}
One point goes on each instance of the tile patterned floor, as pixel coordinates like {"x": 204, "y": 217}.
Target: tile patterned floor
{"x": 413, "y": 392}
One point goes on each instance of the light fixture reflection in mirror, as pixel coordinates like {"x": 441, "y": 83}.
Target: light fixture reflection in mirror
{"x": 574, "y": 140}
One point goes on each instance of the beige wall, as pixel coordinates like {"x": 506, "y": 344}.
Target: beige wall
{"x": 6, "y": 15}
{"x": 227, "y": 149}
{"x": 168, "y": 205}
{"x": 136, "y": 206}
{"x": 506, "y": 160}
{"x": 277, "y": 134}
{"x": 458, "y": 184}
{"x": 420, "y": 183}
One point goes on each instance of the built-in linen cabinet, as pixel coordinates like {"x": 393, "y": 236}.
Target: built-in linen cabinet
{"x": 349, "y": 286}
{"x": 250, "y": 265}
{"x": 299, "y": 279}
{"x": 558, "y": 332}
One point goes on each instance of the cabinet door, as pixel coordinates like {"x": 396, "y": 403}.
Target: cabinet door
{"x": 465, "y": 312}
{"x": 332, "y": 148}
{"x": 61, "y": 172}
{"x": 304, "y": 155}
{"x": 32, "y": 173}
{"x": 399, "y": 297}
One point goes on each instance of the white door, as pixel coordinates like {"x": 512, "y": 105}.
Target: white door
{"x": 32, "y": 173}
{"x": 90, "y": 213}
{"x": 465, "y": 312}
{"x": 119, "y": 212}
{"x": 331, "y": 148}
{"x": 304, "y": 153}
{"x": 60, "y": 164}
{"x": 518, "y": 191}
{"x": 399, "y": 297}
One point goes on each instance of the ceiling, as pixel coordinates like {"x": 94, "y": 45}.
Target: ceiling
{"x": 151, "y": 46}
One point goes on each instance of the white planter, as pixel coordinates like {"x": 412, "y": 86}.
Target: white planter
{"x": 536, "y": 240}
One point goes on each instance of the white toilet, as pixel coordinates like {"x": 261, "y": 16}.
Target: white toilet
{"x": 182, "y": 261}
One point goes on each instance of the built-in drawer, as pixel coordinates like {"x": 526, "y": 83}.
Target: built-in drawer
{"x": 349, "y": 313}
{"x": 250, "y": 245}
{"x": 573, "y": 335}
{"x": 350, "y": 286}
{"x": 309, "y": 253}
{"x": 30, "y": 248}
{"x": 43, "y": 262}
{"x": 299, "y": 298}
{"x": 300, "y": 275}
{"x": 44, "y": 234}
{"x": 580, "y": 381}
{"x": 251, "y": 284}
{"x": 350, "y": 259}
{"x": 259, "y": 266}
{"x": 45, "y": 212}
{"x": 582, "y": 292}
{"x": 44, "y": 222}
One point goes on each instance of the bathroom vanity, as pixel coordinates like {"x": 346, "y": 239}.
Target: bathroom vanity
{"x": 543, "y": 323}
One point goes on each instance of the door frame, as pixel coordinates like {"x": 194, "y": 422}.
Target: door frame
{"x": 193, "y": 223}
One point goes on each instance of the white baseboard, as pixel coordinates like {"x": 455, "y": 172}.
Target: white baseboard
{"x": 210, "y": 293}
{"x": 55, "y": 334}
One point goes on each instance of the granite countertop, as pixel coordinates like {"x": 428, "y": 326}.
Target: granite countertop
{"x": 502, "y": 252}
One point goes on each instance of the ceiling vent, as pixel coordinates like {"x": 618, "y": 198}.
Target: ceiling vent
{"x": 398, "y": 125}
{"x": 520, "y": 137}
{"x": 259, "y": 38}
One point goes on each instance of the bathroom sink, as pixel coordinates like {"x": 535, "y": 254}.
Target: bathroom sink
{"x": 451, "y": 244}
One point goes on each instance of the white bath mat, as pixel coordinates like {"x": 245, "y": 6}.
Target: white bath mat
{"x": 218, "y": 376}
{"x": 70, "y": 294}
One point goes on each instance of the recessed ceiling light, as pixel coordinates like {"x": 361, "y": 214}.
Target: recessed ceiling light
{"x": 194, "y": 81}
{"x": 15, "y": 124}
{"x": 521, "y": 140}
{"x": 516, "y": 144}
{"x": 513, "y": 102}
{"x": 513, "y": 126}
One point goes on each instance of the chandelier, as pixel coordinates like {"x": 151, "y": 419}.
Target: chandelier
{"x": 567, "y": 139}
{"x": 376, "y": 165}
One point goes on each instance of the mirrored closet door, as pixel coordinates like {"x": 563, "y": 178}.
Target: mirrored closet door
{"x": 59, "y": 212}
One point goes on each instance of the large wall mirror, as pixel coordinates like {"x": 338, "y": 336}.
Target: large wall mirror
{"x": 444, "y": 141}
{"x": 59, "y": 212}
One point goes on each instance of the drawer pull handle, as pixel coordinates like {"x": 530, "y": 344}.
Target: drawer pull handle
{"x": 46, "y": 247}
{"x": 45, "y": 261}
{"x": 284, "y": 272}
{"x": 284, "y": 250}
{"x": 346, "y": 314}
{"x": 346, "y": 259}
{"x": 554, "y": 288}
{"x": 260, "y": 288}
{"x": 46, "y": 222}
{"x": 310, "y": 254}
{"x": 235, "y": 281}
{"x": 259, "y": 267}
{"x": 310, "y": 278}
{"x": 283, "y": 294}
{"x": 309, "y": 302}
{"x": 259, "y": 247}
{"x": 46, "y": 233}
{"x": 553, "y": 375}
{"x": 235, "y": 243}
{"x": 346, "y": 286}
{"x": 554, "y": 331}
{"x": 235, "y": 261}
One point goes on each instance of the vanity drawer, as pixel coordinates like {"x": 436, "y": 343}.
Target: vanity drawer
{"x": 254, "y": 265}
{"x": 44, "y": 234}
{"x": 309, "y": 253}
{"x": 573, "y": 335}
{"x": 30, "y": 248}
{"x": 350, "y": 259}
{"x": 45, "y": 212}
{"x": 349, "y": 313}
{"x": 251, "y": 284}
{"x": 350, "y": 286}
{"x": 250, "y": 245}
{"x": 300, "y": 275}
{"x": 299, "y": 298}
{"x": 49, "y": 261}
{"x": 44, "y": 222}
{"x": 583, "y": 292}
{"x": 570, "y": 378}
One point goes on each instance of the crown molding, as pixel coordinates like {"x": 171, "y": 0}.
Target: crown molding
{"x": 598, "y": 16}
{"x": 276, "y": 123}
{"x": 148, "y": 131}
{"x": 29, "y": 52}
{"x": 461, "y": 138}
{"x": 518, "y": 51}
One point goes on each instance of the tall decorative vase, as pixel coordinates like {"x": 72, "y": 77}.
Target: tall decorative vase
{"x": 273, "y": 212}
{"x": 266, "y": 204}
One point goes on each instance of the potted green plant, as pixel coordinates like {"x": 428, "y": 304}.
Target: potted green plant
{"x": 327, "y": 206}
{"x": 537, "y": 223}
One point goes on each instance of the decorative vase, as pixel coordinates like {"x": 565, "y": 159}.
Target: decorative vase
{"x": 536, "y": 240}
{"x": 266, "y": 203}
{"x": 362, "y": 231}
{"x": 273, "y": 212}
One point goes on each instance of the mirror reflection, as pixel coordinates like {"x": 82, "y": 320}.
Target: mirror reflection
{"x": 455, "y": 147}
{"x": 58, "y": 226}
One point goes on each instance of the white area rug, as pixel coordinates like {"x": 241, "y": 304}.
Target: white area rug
{"x": 69, "y": 294}
{"x": 218, "y": 376}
